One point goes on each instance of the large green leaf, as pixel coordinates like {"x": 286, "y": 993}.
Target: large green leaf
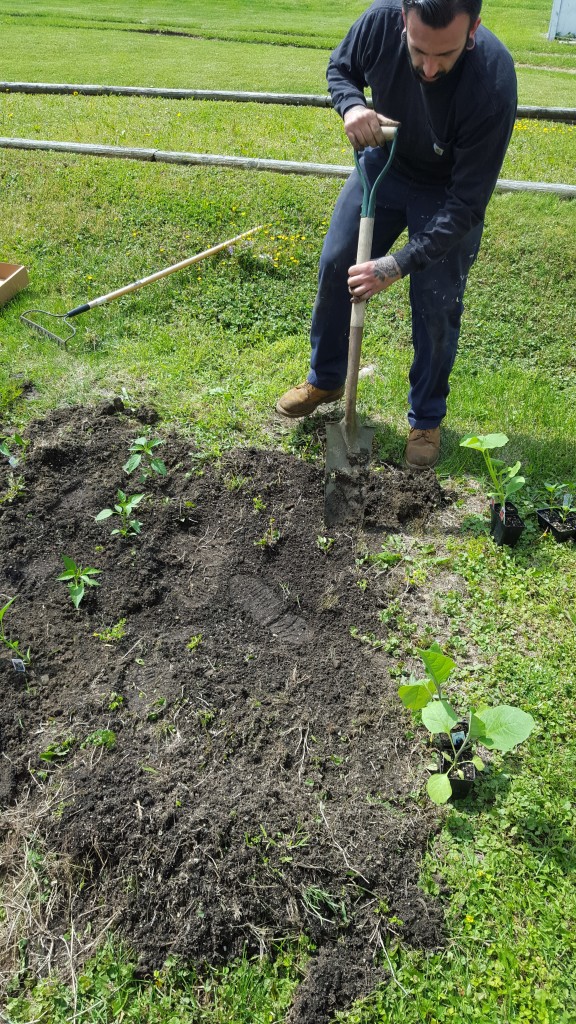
{"x": 439, "y": 716}
{"x": 438, "y": 665}
{"x": 76, "y": 593}
{"x": 484, "y": 442}
{"x": 504, "y": 727}
{"x": 133, "y": 463}
{"x": 6, "y": 607}
{"x": 476, "y": 728}
{"x": 439, "y": 788}
{"x": 416, "y": 695}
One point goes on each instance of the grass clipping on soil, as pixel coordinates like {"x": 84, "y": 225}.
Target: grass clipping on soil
{"x": 229, "y": 766}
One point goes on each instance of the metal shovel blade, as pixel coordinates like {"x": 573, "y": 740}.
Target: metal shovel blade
{"x": 347, "y": 472}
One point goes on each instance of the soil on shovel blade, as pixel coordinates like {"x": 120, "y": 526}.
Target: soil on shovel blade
{"x": 233, "y": 765}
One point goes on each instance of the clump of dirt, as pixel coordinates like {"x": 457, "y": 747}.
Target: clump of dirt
{"x": 229, "y": 764}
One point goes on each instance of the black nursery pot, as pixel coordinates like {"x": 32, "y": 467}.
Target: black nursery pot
{"x": 561, "y": 529}
{"x": 458, "y": 734}
{"x": 460, "y": 787}
{"x": 505, "y": 529}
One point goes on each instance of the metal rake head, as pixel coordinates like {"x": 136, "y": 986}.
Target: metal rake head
{"x": 25, "y": 318}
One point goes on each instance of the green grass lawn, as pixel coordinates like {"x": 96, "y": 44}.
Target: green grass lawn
{"x": 540, "y": 150}
{"x": 62, "y": 42}
{"x": 522, "y": 27}
{"x": 213, "y": 346}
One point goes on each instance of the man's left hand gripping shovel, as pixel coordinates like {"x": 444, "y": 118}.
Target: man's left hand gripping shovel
{"x": 348, "y": 445}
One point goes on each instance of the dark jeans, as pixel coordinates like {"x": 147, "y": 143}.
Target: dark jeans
{"x": 435, "y": 293}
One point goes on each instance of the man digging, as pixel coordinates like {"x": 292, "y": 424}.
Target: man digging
{"x": 450, "y": 84}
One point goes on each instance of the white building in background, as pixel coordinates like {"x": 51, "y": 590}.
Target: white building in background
{"x": 563, "y": 19}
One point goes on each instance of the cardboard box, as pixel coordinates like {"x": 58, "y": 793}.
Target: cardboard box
{"x": 13, "y": 279}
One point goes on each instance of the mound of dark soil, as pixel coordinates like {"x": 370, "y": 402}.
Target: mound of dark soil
{"x": 235, "y": 767}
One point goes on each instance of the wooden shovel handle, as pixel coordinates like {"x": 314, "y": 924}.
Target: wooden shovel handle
{"x": 364, "y": 253}
{"x": 388, "y": 132}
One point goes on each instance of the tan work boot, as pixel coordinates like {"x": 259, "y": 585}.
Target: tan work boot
{"x": 423, "y": 448}
{"x": 304, "y": 399}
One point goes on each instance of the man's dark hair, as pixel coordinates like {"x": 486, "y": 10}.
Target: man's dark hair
{"x": 439, "y": 13}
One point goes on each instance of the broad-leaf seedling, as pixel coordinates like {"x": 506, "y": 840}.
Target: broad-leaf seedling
{"x": 112, "y": 634}
{"x": 142, "y": 450}
{"x": 77, "y": 578}
{"x": 500, "y": 728}
{"x": 325, "y": 544}
{"x": 12, "y": 645}
{"x": 505, "y": 479}
{"x": 270, "y": 538}
{"x": 6, "y": 442}
{"x": 58, "y": 750}
{"x": 100, "y": 738}
{"x": 124, "y": 508}
{"x": 561, "y": 498}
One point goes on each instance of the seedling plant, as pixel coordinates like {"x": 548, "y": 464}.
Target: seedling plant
{"x": 15, "y": 486}
{"x": 78, "y": 578}
{"x": 57, "y": 751}
{"x": 499, "y": 728}
{"x": 12, "y": 645}
{"x": 505, "y": 479}
{"x": 142, "y": 455}
{"x": 112, "y": 634}
{"x": 124, "y": 507}
{"x": 561, "y": 499}
{"x": 325, "y": 544}
{"x": 270, "y": 538}
{"x": 6, "y": 450}
{"x": 100, "y": 738}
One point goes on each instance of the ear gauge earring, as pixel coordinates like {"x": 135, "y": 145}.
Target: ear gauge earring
{"x": 471, "y": 43}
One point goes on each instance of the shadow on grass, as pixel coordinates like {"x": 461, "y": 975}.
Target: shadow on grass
{"x": 541, "y": 458}
{"x": 545, "y": 836}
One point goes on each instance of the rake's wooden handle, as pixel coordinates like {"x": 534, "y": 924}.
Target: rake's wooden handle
{"x": 160, "y": 273}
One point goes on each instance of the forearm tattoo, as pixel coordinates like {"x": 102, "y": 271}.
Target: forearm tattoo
{"x": 385, "y": 267}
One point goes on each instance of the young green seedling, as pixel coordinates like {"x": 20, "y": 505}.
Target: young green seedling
{"x": 112, "y": 634}
{"x": 57, "y": 751}
{"x": 500, "y": 728}
{"x": 270, "y": 538}
{"x": 325, "y": 544}
{"x": 505, "y": 479}
{"x": 77, "y": 578}
{"x": 123, "y": 508}
{"x": 100, "y": 738}
{"x": 561, "y": 498}
{"x": 12, "y": 645}
{"x": 6, "y": 442}
{"x": 143, "y": 455}
{"x": 15, "y": 486}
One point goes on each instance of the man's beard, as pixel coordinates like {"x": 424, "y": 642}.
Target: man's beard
{"x": 420, "y": 74}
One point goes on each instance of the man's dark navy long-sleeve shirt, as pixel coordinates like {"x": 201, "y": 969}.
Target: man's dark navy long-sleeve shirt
{"x": 454, "y": 132}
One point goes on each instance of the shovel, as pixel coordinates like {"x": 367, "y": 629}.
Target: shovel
{"x": 348, "y": 445}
